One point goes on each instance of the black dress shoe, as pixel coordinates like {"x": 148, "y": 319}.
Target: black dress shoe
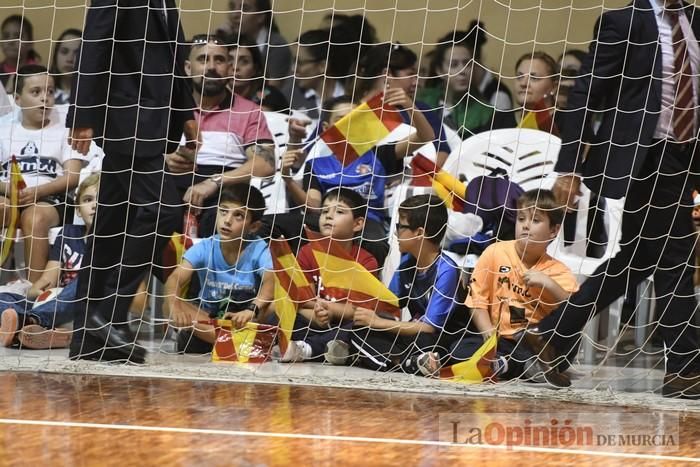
{"x": 682, "y": 386}
{"x": 546, "y": 356}
{"x": 119, "y": 339}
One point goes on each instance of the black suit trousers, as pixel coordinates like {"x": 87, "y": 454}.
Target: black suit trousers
{"x": 138, "y": 210}
{"x": 657, "y": 239}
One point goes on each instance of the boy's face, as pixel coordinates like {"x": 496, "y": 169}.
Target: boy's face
{"x": 337, "y": 112}
{"x": 233, "y": 221}
{"x": 534, "y": 229}
{"x": 337, "y": 220}
{"x": 87, "y": 204}
{"x": 36, "y": 99}
{"x": 406, "y": 236}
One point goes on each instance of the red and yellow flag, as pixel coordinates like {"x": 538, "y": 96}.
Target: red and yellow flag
{"x": 250, "y": 344}
{"x": 174, "y": 251}
{"x": 361, "y": 130}
{"x": 446, "y": 186}
{"x": 17, "y": 184}
{"x": 477, "y": 369}
{"x": 291, "y": 288}
{"x": 343, "y": 276}
{"x": 541, "y": 117}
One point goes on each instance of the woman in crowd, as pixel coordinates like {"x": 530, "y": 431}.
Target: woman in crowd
{"x": 17, "y": 46}
{"x": 248, "y": 77}
{"x": 63, "y": 60}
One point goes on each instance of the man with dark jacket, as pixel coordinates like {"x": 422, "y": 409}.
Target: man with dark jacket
{"x": 641, "y": 75}
{"x": 132, "y": 96}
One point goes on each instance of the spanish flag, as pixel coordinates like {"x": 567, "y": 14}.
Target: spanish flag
{"x": 446, "y": 186}
{"x": 540, "y": 118}
{"x": 343, "y": 276}
{"x": 173, "y": 253}
{"x": 291, "y": 288}
{"x": 475, "y": 370}
{"x": 17, "y": 184}
{"x": 361, "y": 130}
{"x": 250, "y": 344}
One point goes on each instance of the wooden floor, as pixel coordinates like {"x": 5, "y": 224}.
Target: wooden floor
{"x": 59, "y": 419}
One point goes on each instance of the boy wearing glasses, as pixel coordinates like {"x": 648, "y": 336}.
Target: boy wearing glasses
{"x": 426, "y": 283}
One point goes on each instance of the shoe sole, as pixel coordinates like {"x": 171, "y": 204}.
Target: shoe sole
{"x": 37, "y": 337}
{"x": 337, "y": 353}
{"x": 8, "y": 327}
{"x": 546, "y": 355}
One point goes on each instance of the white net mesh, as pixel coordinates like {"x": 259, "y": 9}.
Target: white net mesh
{"x": 433, "y": 118}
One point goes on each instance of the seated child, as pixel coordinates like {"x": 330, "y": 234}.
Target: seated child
{"x": 36, "y": 327}
{"x": 342, "y": 219}
{"x": 234, "y": 268}
{"x": 367, "y": 175}
{"x": 515, "y": 284}
{"x": 426, "y": 283}
{"x": 50, "y": 168}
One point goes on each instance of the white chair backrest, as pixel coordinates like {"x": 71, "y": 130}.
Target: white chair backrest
{"x": 273, "y": 188}
{"x": 527, "y": 156}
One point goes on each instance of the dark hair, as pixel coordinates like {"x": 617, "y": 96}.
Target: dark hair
{"x": 265, "y": 6}
{"x": 330, "y": 104}
{"x": 543, "y": 200}
{"x": 245, "y": 195}
{"x": 472, "y": 39}
{"x": 354, "y": 200}
{"x": 351, "y": 38}
{"x": 249, "y": 44}
{"x": 380, "y": 57}
{"x": 199, "y": 40}
{"x": 428, "y": 212}
{"x": 544, "y": 57}
{"x": 316, "y": 43}
{"x": 25, "y": 27}
{"x": 24, "y": 72}
{"x": 578, "y": 54}
{"x": 53, "y": 68}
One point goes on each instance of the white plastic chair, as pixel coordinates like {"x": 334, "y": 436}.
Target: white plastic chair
{"x": 272, "y": 187}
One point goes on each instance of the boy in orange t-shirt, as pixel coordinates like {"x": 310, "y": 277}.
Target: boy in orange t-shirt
{"x": 515, "y": 284}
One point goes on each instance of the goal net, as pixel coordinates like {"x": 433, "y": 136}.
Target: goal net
{"x": 354, "y": 193}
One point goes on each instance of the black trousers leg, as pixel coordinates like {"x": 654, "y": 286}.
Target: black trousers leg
{"x": 657, "y": 238}
{"x": 138, "y": 210}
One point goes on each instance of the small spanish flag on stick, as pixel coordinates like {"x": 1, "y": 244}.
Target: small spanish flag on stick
{"x": 291, "y": 288}
{"x": 477, "y": 369}
{"x": 446, "y": 186}
{"x": 361, "y": 130}
{"x": 17, "y": 184}
{"x": 343, "y": 276}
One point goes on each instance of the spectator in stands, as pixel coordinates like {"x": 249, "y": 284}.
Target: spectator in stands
{"x": 367, "y": 175}
{"x": 536, "y": 81}
{"x": 63, "y": 58}
{"x": 491, "y": 88}
{"x": 569, "y": 65}
{"x": 426, "y": 283}
{"x": 452, "y": 87}
{"x": 514, "y": 285}
{"x": 236, "y": 142}
{"x": 17, "y": 46}
{"x": 51, "y": 170}
{"x": 254, "y": 19}
{"x": 343, "y": 213}
{"x": 315, "y": 78}
{"x": 38, "y": 326}
{"x": 132, "y": 97}
{"x": 393, "y": 66}
{"x": 248, "y": 77}
{"x": 234, "y": 268}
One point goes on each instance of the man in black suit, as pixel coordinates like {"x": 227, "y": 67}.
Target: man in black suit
{"x": 641, "y": 76}
{"x": 130, "y": 94}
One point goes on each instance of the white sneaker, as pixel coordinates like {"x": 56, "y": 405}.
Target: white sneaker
{"x": 297, "y": 351}
{"x": 337, "y": 352}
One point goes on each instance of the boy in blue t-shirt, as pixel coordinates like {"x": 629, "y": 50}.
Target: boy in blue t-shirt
{"x": 234, "y": 269}
{"x": 426, "y": 283}
{"x": 38, "y": 327}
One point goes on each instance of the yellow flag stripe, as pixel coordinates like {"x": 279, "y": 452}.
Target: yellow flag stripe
{"x": 362, "y": 128}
